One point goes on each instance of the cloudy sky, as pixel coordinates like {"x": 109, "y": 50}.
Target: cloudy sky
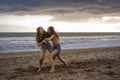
{"x": 64, "y": 15}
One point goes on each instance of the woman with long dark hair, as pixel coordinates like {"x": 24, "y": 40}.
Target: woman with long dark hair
{"x": 56, "y": 48}
{"x": 40, "y": 42}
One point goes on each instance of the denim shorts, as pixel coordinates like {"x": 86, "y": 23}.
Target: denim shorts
{"x": 46, "y": 46}
{"x": 57, "y": 47}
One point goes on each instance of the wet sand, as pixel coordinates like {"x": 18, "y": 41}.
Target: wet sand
{"x": 84, "y": 64}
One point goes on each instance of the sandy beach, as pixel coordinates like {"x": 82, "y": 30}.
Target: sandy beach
{"x": 84, "y": 64}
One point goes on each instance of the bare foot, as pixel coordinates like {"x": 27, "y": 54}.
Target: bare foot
{"x": 66, "y": 64}
{"x": 39, "y": 69}
{"x": 52, "y": 70}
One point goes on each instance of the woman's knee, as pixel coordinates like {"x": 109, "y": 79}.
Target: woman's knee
{"x": 41, "y": 57}
{"x": 50, "y": 56}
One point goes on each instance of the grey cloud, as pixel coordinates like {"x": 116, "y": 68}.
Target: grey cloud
{"x": 68, "y": 10}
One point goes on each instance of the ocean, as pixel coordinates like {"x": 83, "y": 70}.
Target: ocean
{"x": 17, "y": 42}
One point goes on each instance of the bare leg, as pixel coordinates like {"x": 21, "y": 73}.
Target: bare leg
{"x": 50, "y": 49}
{"x": 42, "y": 55}
{"x": 62, "y": 60}
{"x": 51, "y": 56}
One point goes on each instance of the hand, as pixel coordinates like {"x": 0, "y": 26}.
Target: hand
{"x": 37, "y": 44}
{"x": 44, "y": 41}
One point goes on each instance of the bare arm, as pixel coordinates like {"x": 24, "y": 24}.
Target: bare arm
{"x": 50, "y": 38}
{"x": 39, "y": 43}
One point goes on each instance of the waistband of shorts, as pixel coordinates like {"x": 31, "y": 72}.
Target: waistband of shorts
{"x": 57, "y": 45}
{"x": 46, "y": 43}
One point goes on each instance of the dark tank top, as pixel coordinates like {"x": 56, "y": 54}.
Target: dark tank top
{"x": 46, "y": 35}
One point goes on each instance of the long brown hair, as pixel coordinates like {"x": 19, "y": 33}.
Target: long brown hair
{"x": 39, "y": 36}
{"x": 52, "y": 30}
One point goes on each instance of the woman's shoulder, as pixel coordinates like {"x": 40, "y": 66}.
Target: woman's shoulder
{"x": 56, "y": 36}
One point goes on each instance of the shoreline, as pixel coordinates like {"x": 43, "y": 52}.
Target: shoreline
{"x": 14, "y": 52}
{"x": 84, "y": 64}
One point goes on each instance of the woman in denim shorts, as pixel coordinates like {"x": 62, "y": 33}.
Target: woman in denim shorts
{"x": 56, "y": 48}
{"x": 40, "y": 36}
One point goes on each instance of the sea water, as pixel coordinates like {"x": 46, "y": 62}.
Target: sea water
{"x": 22, "y": 42}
